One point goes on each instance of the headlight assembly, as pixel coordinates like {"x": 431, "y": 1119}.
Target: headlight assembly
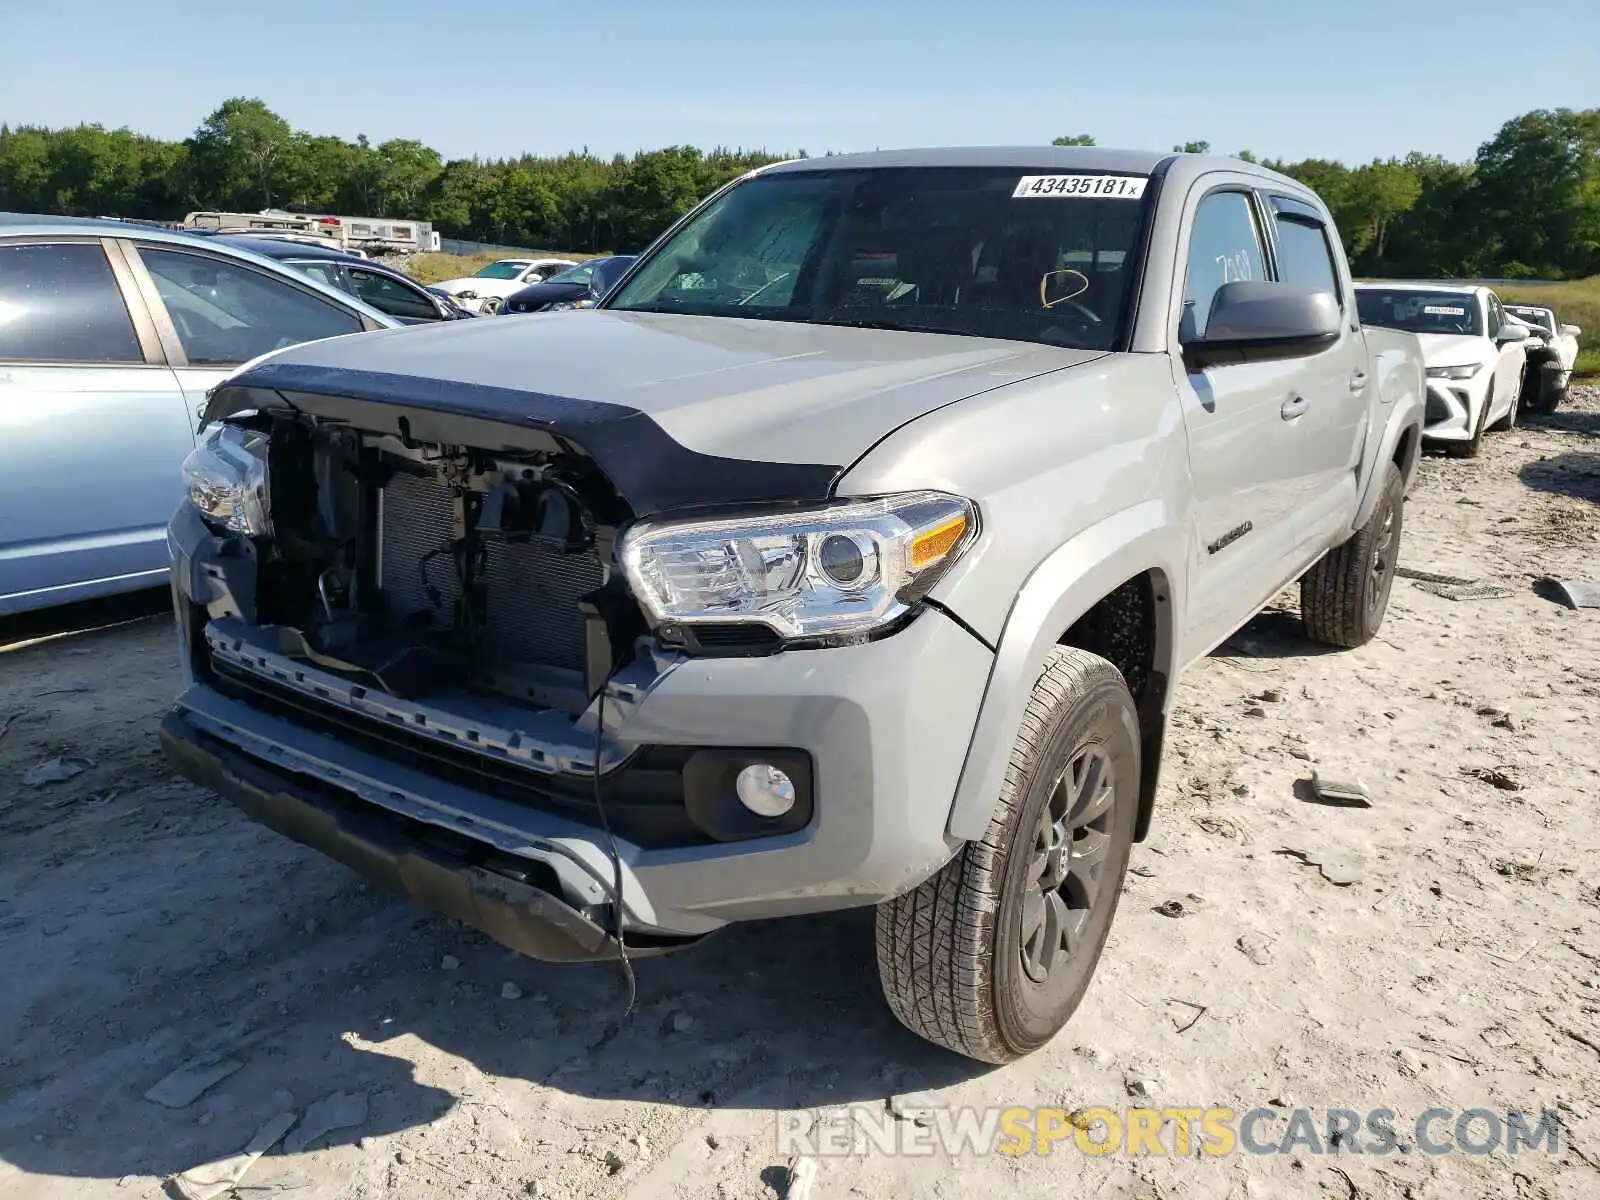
{"x": 1465, "y": 371}
{"x": 225, "y": 477}
{"x": 828, "y": 575}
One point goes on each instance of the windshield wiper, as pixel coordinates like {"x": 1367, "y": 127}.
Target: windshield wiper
{"x": 874, "y": 323}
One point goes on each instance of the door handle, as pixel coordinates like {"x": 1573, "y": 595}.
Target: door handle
{"x": 1294, "y": 406}
{"x": 1358, "y": 381}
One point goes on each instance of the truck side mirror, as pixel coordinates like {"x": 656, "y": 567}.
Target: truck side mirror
{"x": 1571, "y": 330}
{"x": 1254, "y": 320}
{"x": 1511, "y": 333}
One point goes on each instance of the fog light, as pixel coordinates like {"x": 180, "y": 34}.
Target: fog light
{"x": 765, "y": 790}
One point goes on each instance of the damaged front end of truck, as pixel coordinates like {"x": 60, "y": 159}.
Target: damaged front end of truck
{"x": 432, "y": 583}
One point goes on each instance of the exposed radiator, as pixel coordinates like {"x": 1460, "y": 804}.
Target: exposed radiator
{"x": 531, "y": 588}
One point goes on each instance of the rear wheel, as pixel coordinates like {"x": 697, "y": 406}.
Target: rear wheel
{"x": 1344, "y": 597}
{"x": 991, "y": 956}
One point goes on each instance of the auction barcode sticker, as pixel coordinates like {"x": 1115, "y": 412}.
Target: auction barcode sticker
{"x": 1116, "y": 187}
{"x": 1443, "y": 310}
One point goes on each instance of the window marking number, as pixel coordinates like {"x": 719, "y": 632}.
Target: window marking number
{"x": 1096, "y": 187}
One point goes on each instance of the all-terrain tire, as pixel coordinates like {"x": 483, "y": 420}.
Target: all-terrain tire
{"x": 951, "y": 952}
{"x": 1470, "y": 447}
{"x": 1551, "y": 392}
{"x": 1343, "y": 598}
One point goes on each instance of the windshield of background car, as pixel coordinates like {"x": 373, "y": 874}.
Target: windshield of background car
{"x": 580, "y": 274}
{"x": 501, "y": 270}
{"x": 611, "y": 270}
{"x": 1420, "y": 312}
{"x": 1539, "y": 318}
{"x": 980, "y": 251}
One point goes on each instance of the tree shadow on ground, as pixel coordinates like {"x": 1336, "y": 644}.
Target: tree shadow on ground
{"x": 1576, "y": 475}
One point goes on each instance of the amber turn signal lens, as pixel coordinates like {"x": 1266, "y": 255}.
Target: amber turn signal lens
{"x": 929, "y": 546}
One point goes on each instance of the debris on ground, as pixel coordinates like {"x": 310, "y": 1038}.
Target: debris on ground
{"x": 189, "y": 1082}
{"x": 1466, "y": 591}
{"x": 1255, "y": 949}
{"x": 341, "y": 1110}
{"x": 916, "y": 1107}
{"x": 1573, "y": 593}
{"x": 1341, "y": 869}
{"x": 1495, "y": 777}
{"x": 510, "y": 991}
{"x": 213, "y": 1179}
{"x": 1337, "y": 866}
{"x": 802, "y": 1178}
{"x": 1172, "y": 908}
{"x": 449, "y": 963}
{"x": 1346, "y": 791}
{"x": 54, "y": 770}
{"x": 1405, "y": 572}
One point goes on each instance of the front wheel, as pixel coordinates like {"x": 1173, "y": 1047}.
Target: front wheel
{"x": 1344, "y": 597}
{"x": 1509, "y": 421}
{"x": 991, "y": 956}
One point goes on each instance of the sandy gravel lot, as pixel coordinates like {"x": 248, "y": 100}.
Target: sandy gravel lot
{"x": 143, "y": 924}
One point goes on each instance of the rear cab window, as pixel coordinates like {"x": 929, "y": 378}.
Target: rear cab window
{"x": 59, "y": 302}
{"x": 1305, "y": 251}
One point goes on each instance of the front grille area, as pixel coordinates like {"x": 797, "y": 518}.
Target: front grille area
{"x": 531, "y": 588}
{"x": 1438, "y": 409}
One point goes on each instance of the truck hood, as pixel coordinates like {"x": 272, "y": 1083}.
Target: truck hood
{"x": 677, "y": 410}
{"x": 1453, "y": 349}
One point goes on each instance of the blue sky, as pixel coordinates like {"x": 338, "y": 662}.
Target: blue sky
{"x": 1351, "y": 79}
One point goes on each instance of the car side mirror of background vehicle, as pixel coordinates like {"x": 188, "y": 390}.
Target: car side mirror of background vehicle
{"x": 1571, "y": 330}
{"x": 1255, "y": 320}
{"x": 1511, "y": 333}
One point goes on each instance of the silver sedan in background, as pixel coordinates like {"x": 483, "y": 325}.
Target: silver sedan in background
{"x": 110, "y": 336}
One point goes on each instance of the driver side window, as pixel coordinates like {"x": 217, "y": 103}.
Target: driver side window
{"x": 1224, "y": 247}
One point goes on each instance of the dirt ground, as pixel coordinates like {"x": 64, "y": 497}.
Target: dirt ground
{"x": 144, "y": 924}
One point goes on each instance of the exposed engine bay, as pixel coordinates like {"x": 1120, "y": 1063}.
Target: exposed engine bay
{"x": 417, "y": 566}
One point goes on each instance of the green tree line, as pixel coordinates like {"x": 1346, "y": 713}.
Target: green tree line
{"x": 1526, "y": 206}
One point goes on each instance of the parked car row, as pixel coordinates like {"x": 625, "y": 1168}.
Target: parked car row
{"x": 486, "y": 289}
{"x": 1486, "y": 360}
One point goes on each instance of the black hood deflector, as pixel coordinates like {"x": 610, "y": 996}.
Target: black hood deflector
{"x": 651, "y": 471}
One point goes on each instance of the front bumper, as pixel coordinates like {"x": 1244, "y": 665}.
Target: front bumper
{"x": 1450, "y": 413}
{"x": 887, "y": 726}
{"x": 394, "y": 852}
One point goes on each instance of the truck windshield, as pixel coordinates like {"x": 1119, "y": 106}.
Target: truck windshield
{"x": 1417, "y": 311}
{"x": 984, "y": 252}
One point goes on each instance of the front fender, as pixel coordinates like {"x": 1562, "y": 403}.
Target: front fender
{"x": 1402, "y": 426}
{"x": 1145, "y": 537}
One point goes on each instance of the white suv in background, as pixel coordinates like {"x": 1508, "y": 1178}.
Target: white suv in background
{"x": 1474, "y": 353}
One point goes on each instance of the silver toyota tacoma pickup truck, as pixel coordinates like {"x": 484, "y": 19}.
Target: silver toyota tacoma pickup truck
{"x": 846, "y": 554}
